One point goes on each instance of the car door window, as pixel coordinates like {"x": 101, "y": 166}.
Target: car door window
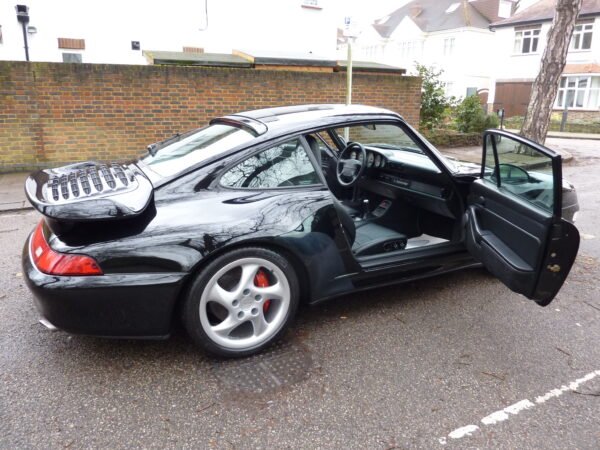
{"x": 521, "y": 170}
{"x": 285, "y": 165}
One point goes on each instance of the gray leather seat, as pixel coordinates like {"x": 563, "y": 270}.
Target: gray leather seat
{"x": 369, "y": 238}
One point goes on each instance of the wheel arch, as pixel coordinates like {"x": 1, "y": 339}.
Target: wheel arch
{"x": 288, "y": 253}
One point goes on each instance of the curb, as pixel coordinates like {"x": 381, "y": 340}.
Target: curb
{"x": 14, "y": 210}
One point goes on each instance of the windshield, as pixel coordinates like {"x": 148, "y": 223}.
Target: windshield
{"x": 380, "y": 135}
{"x": 200, "y": 146}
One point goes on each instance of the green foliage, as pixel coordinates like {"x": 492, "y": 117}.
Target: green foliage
{"x": 471, "y": 118}
{"x": 434, "y": 103}
{"x": 447, "y": 138}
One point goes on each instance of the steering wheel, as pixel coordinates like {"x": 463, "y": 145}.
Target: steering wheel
{"x": 349, "y": 170}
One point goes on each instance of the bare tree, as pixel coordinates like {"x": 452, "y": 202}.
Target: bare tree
{"x": 545, "y": 86}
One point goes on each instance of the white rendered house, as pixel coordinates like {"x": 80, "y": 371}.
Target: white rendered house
{"x": 452, "y": 35}
{"x": 520, "y": 43}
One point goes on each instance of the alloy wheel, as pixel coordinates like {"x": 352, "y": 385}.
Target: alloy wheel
{"x": 245, "y": 303}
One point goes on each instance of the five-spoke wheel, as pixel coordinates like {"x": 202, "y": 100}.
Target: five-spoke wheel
{"x": 241, "y": 302}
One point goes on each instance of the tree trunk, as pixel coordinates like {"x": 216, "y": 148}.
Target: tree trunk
{"x": 545, "y": 86}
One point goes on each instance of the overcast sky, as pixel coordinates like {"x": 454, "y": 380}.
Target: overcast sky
{"x": 365, "y": 11}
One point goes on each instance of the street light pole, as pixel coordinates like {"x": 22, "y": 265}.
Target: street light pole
{"x": 349, "y": 73}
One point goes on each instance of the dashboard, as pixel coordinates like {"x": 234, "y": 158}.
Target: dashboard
{"x": 411, "y": 176}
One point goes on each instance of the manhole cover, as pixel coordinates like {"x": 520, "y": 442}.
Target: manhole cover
{"x": 282, "y": 365}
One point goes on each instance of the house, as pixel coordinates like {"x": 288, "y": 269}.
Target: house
{"x": 520, "y": 43}
{"x": 117, "y": 32}
{"x": 453, "y": 35}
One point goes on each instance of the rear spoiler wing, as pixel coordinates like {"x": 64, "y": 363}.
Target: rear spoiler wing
{"x": 89, "y": 191}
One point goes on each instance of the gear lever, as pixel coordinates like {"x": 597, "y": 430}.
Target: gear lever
{"x": 365, "y": 209}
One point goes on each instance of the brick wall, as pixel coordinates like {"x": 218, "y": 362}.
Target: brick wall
{"x": 53, "y": 114}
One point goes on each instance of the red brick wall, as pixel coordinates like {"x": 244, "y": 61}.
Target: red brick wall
{"x": 53, "y": 114}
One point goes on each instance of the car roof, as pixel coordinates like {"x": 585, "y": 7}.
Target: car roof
{"x": 262, "y": 121}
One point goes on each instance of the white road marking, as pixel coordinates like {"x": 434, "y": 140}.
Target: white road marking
{"x": 569, "y": 387}
{"x": 516, "y": 408}
{"x": 464, "y": 431}
{"x": 502, "y": 415}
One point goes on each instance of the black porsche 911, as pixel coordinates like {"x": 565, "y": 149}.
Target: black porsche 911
{"x": 229, "y": 227}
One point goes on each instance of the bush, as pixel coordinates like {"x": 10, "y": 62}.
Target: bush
{"x": 434, "y": 103}
{"x": 444, "y": 138}
{"x": 471, "y": 118}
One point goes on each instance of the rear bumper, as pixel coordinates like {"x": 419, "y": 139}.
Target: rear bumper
{"x": 111, "y": 305}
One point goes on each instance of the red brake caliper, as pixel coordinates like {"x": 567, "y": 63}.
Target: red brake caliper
{"x": 261, "y": 280}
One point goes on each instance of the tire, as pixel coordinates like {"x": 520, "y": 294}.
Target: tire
{"x": 241, "y": 302}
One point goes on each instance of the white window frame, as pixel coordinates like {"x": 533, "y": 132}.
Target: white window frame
{"x": 564, "y": 89}
{"x": 579, "y": 32}
{"x": 412, "y": 49}
{"x": 449, "y": 46}
{"x": 521, "y": 35}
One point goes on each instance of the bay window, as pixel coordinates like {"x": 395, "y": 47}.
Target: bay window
{"x": 579, "y": 92}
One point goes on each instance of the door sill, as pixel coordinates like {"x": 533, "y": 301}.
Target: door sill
{"x": 409, "y": 255}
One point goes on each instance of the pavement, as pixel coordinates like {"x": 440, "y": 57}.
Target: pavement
{"x": 12, "y": 192}
{"x": 457, "y": 361}
{"x": 568, "y": 135}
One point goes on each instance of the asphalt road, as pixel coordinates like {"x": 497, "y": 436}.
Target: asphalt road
{"x": 413, "y": 366}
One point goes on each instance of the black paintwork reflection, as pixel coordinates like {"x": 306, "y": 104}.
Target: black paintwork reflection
{"x": 183, "y": 225}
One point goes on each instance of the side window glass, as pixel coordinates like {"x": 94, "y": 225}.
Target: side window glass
{"x": 523, "y": 171}
{"x": 284, "y": 165}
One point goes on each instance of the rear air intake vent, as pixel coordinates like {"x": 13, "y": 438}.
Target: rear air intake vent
{"x": 90, "y": 181}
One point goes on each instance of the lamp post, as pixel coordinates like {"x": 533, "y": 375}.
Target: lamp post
{"x": 350, "y": 32}
{"x": 23, "y": 18}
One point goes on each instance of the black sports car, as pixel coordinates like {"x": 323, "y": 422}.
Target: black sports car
{"x": 229, "y": 227}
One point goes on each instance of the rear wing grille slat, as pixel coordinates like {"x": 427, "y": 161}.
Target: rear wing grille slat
{"x": 78, "y": 183}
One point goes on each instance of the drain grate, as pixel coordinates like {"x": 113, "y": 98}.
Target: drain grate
{"x": 281, "y": 365}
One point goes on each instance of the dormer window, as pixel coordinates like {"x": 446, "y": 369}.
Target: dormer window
{"x": 582, "y": 36}
{"x": 453, "y": 7}
{"x": 527, "y": 39}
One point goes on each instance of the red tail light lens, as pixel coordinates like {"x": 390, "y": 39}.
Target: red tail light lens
{"x": 55, "y": 263}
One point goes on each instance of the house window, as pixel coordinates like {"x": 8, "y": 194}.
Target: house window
{"x": 410, "y": 49}
{"x": 582, "y": 36}
{"x": 72, "y": 57}
{"x": 448, "y": 46}
{"x": 579, "y": 92}
{"x": 526, "y": 40}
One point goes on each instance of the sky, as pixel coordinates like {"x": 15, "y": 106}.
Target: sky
{"x": 365, "y": 11}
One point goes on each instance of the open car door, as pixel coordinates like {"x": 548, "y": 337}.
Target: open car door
{"x": 514, "y": 224}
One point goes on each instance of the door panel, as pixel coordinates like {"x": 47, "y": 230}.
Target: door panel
{"x": 513, "y": 217}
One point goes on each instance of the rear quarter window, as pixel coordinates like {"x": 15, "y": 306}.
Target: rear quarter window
{"x": 285, "y": 165}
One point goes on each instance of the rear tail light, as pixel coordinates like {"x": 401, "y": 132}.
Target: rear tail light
{"x": 55, "y": 263}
